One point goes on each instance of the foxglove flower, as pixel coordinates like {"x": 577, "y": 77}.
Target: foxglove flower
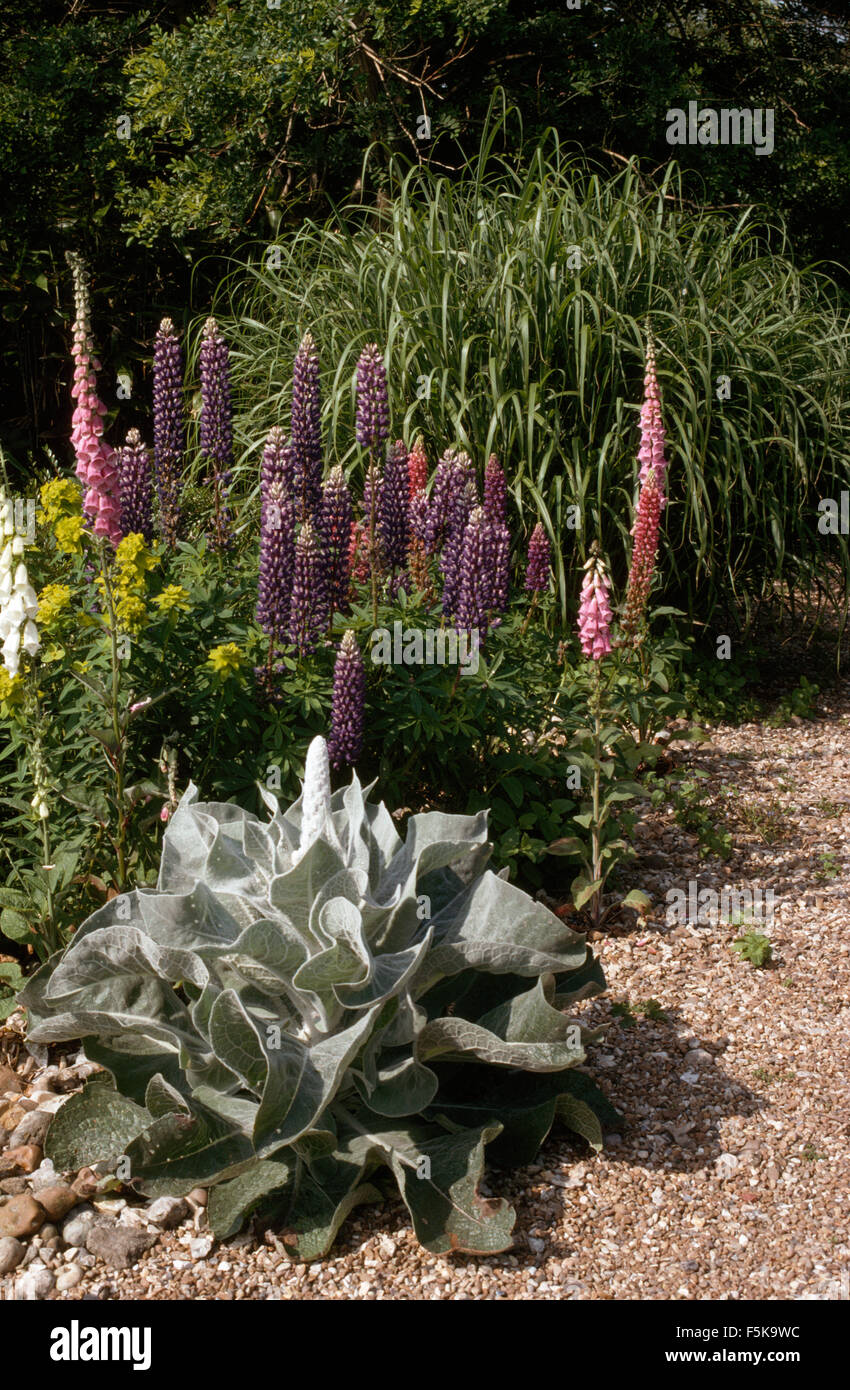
{"x": 594, "y": 619}
{"x": 96, "y": 463}
{"x": 495, "y": 491}
{"x": 373, "y": 415}
{"x": 393, "y": 508}
{"x": 309, "y": 607}
{"x": 334, "y": 525}
{"x": 136, "y": 488}
{"x": 652, "y": 434}
{"x": 18, "y": 601}
{"x": 277, "y": 545}
{"x": 306, "y": 429}
{"x": 347, "y": 710}
{"x": 644, "y": 551}
{"x": 168, "y": 429}
{"x": 217, "y": 424}
{"x": 539, "y": 561}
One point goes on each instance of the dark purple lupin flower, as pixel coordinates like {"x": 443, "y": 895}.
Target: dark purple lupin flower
{"x": 347, "y": 711}
{"x": 135, "y": 487}
{"x": 495, "y": 491}
{"x": 450, "y": 477}
{"x": 309, "y": 607}
{"x": 217, "y": 424}
{"x": 306, "y": 429}
{"x": 474, "y": 589}
{"x": 498, "y": 537}
{"x": 373, "y": 415}
{"x": 336, "y": 515}
{"x": 394, "y": 508}
{"x": 461, "y": 501}
{"x": 277, "y": 542}
{"x": 499, "y": 563}
{"x": 539, "y": 561}
{"x": 168, "y": 429}
{"x": 277, "y": 460}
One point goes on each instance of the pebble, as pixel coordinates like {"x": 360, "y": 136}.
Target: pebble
{"x": 9, "y": 1080}
{"x": 76, "y": 1226}
{"x": 201, "y": 1247}
{"x": 45, "y": 1175}
{"x": 69, "y": 1278}
{"x": 13, "y": 1187}
{"x": 11, "y": 1254}
{"x": 57, "y": 1201}
{"x": 36, "y": 1283}
{"x": 22, "y": 1158}
{"x": 167, "y": 1212}
{"x": 31, "y": 1130}
{"x": 698, "y": 1057}
{"x": 119, "y": 1246}
{"x": 21, "y": 1216}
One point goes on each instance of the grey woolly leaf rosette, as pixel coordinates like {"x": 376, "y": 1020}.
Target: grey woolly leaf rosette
{"x": 304, "y": 1001}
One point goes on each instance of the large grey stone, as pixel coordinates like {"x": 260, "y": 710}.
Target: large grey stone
{"x": 119, "y": 1246}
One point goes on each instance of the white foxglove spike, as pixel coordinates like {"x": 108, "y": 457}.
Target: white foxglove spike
{"x": 315, "y": 796}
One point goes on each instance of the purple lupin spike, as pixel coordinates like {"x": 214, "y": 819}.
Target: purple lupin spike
{"x": 277, "y": 460}
{"x": 539, "y": 561}
{"x": 217, "y": 424}
{"x": 373, "y": 416}
{"x": 474, "y": 588}
{"x": 306, "y": 429}
{"x": 394, "y": 508}
{"x": 334, "y": 521}
{"x": 135, "y": 487}
{"x": 495, "y": 491}
{"x": 168, "y": 428}
{"x": 277, "y": 542}
{"x": 347, "y": 710}
{"x": 461, "y": 503}
{"x": 309, "y": 606}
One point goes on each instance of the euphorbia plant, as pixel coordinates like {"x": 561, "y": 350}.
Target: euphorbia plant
{"x": 303, "y": 1002}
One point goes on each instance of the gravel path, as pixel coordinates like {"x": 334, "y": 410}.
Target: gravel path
{"x": 730, "y": 1175}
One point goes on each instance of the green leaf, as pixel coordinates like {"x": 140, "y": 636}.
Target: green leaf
{"x": 94, "y": 1126}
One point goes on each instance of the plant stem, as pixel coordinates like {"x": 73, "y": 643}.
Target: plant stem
{"x": 372, "y": 557}
{"x": 45, "y": 844}
{"x": 118, "y": 763}
{"x": 596, "y": 871}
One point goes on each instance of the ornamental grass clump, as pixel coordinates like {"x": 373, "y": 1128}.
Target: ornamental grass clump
{"x": 304, "y": 1002}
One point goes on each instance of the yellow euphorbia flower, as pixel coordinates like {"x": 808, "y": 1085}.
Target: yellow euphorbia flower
{"x": 52, "y": 602}
{"x": 172, "y": 596}
{"x": 226, "y": 660}
{"x": 69, "y": 534}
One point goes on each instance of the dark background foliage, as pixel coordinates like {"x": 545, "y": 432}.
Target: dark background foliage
{"x": 245, "y": 118}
